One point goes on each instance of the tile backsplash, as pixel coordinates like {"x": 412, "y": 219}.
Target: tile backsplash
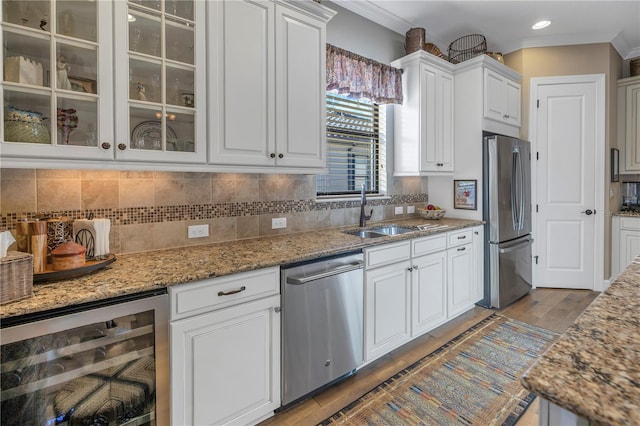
{"x": 152, "y": 210}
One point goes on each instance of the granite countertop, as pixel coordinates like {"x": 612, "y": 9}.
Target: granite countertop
{"x": 140, "y": 272}
{"x": 627, "y": 214}
{"x": 594, "y": 368}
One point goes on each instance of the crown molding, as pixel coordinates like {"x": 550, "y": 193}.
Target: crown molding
{"x": 374, "y": 13}
{"x": 371, "y": 11}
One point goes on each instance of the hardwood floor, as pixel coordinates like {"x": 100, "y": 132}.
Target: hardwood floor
{"x": 553, "y": 309}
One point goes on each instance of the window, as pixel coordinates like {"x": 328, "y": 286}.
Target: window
{"x": 353, "y": 147}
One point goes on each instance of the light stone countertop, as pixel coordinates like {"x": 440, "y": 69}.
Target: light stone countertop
{"x": 147, "y": 271}
{"x": 594, "y": 368}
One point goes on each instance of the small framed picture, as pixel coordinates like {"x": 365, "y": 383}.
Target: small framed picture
{"x": 464, "y": 194}
{"x": 615, "y": 165}
{"x": 80, "y": 84}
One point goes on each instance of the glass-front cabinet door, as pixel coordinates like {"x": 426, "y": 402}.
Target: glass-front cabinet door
{"x": 159, "y": 73}
{"x": 57, "y": 79}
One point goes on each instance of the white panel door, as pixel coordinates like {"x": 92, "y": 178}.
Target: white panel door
{"x": 387, "y": 309}
{"x": 428, "y": 292}
{"x": 428, "y": 127}
{"x": 566, "y": 186}
{"x": 460, "y": 275}
{"x": 301, "y": 85}
{"x": 493, "y": 95}
{"x": 632, "y": 153}
{"x": 512, "y": 102}
{"x": 242, "y": 91}
{"x": 225, "y": 365}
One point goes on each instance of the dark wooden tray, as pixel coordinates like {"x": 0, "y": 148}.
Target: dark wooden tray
{"x": 89, "y": 267}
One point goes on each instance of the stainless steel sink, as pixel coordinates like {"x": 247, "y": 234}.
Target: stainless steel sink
{"x": 365, "y": 233}
{"x": 393, "y": 230}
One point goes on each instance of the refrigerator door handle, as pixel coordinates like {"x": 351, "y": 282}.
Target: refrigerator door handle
{"x": 521, "y": 193}
{"x": 516, "y": 246}
{"x": 515, "y": 216}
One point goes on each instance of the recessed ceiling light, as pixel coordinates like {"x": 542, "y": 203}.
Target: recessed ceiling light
{"x": 131, "y": 18}
{"x": 541, "y": 24}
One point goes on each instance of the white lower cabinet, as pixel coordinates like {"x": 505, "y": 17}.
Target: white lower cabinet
{"x": 478, "y": 263}
{"x": 412, "y": 287}
{"x": 225, "y": 356}
{"x": 428, "y": 292}
{"x": 387, "y": 298}
{"x": 625, "y": 245}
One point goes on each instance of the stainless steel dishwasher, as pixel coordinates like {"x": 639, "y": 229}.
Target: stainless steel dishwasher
{"x": 322, "y": 316}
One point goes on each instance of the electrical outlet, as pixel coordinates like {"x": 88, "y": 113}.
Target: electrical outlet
{"x": 411, "y": 209}
{"x": 278, "y": 222}
{"x": 399, "y": 209}
{"x": 198, "y": 231}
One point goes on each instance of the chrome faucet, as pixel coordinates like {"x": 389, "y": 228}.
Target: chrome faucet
{"x": 363, "y": 202}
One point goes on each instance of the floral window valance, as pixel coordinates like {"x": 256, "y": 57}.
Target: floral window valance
{"x": 360, "y": 77}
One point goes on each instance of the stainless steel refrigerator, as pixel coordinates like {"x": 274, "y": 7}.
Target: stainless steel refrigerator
{"x": 507, "y": 216}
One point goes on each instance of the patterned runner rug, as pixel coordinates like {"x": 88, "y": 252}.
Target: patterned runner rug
{"x": 473, "y": 379}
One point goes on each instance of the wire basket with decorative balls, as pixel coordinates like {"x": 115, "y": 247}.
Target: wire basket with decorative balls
{"x": 431, "y": 214}
{"x": 467, "y": 47}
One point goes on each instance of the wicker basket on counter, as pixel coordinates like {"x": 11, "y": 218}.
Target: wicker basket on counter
{"x": 16, "y": 276}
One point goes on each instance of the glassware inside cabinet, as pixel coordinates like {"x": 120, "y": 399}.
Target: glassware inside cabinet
{"x": 77, "y": 19}
{"x": 182, "y": 124}
{"x": 145, "y": 33}
{"x": 147, "y": 130}
{"x": 26, "y": 59}
{"x": 76, "y": 122}
{"x": 27, "y": 117}
{"x": 179, "y": 86}
{"x": 180, "y": 8}
{"x": 27, "y": 13}
{"x": 180, "y": 41}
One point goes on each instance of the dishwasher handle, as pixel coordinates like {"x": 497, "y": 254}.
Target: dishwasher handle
{"x": 335, "y": 271}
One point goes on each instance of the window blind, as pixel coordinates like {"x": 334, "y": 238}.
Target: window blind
{"x": 353, "y": 147}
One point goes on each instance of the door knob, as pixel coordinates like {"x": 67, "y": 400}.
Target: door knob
{"x": 589, "y": 212}
{"x": 105, "y": 145}
{"x": 122, "y": 146}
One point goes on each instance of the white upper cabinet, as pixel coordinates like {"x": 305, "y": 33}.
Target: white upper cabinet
{"x": 423, "y": 141}
{"x": 104, "y": 81}
{"x": 159, "y": 81}
{"x": 501, "y": 98}
{"x": 629, "y": 124}
{"x": 267, "y": 84}
{"x": 56, "y": 90}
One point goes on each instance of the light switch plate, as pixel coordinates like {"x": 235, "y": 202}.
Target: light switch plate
{"x": 278, "y": 222}
{"x": 399, "y": 209}
{"x": 198, "y": 231}
{"x": 411, "y": 209}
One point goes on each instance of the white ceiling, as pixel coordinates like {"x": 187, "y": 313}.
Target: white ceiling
{"x": 507, "y": 24}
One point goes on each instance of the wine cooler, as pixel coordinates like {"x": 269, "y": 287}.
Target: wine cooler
{"x": 101, "y": 366}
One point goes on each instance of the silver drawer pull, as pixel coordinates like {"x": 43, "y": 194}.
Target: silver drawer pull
{"x": 229, "y": 293}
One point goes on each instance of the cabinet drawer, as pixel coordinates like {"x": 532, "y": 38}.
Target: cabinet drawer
{"x": 428, "y": 245}
{"x": 387, "y": 254}
{"x": 630, "y": 223}
{"x": 215, "y": 293}
{"x": 459, "y": 238}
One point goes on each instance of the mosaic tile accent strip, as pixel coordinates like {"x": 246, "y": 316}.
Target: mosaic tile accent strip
{"x": 157, "y": 214}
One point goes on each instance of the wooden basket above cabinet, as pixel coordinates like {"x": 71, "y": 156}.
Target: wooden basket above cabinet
{"x": 629, "y": 124}
{"x": 424, "y": 128}
{"x": 267, "y": 85}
